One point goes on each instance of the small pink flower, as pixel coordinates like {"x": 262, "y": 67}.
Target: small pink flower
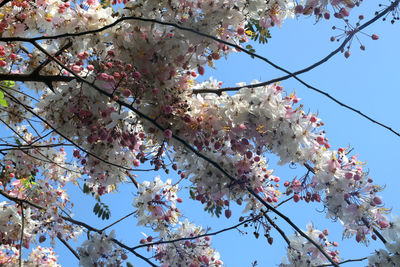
{"x": 168, "y": 133}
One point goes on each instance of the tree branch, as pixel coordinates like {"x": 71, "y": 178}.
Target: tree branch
{"x": 123, "y": 218}
{"x": 346, "y": 261}
{"x": 4, "y": 2}
{"x": 325, "y": 59}
{"x": 33, "y": 77}
{"x": 280, "y": 231}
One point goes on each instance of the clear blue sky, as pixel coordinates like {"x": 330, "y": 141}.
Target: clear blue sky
{"x": 368, "y": 81}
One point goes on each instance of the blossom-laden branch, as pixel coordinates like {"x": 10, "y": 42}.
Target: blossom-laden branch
{"x": 134, "y": 111}
{"x": 364, "y": 221}
{"x": 200, "y": 155}
{"x": 80, "y": 223}
{"x": 350, "y": 36}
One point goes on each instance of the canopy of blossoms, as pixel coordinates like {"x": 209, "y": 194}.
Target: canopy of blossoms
{"x": 117, "y": 82}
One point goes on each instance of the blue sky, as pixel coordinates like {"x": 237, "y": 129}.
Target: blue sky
{"x": 368, "y": 81}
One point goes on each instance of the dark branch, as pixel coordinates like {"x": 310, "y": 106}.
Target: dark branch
{"x": 123, "y": 218}
{"x": 4, "y": 2}
{"x": 48, "y": 60}
{"x": 34, "y": 78}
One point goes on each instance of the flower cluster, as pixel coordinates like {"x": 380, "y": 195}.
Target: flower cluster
{"x": 302, "y": 252}
{"x": 194, "y": 252}
{"x": 100, "y": 249}
{"x": 40, "y": 256}
{"x": 156, "y": 204}
{"x": 389, "y": 256}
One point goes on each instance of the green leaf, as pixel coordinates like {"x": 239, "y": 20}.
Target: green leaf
{"x": 3, "y": 102}
{"x": 100, "y": 213}
{"x": 96, "y": 208}
{"x": 128, "y": 264}
{"x": 9, "y": 83}
{"x": 85, "y": 188}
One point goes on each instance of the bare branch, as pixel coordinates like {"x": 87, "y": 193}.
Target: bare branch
{"x": 34, "y": 78}
{"x": 117, "y": 221}
{"x": 346, "y": 261}
{"x": 48, "y": 60}
{"x": 195, "y": 237}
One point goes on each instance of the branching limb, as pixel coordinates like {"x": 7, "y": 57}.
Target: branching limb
{"x": 63, "y": 136}
{"x": 48, "y": 60}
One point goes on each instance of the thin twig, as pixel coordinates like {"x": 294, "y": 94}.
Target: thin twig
{"x": 280, "y": 231}
{"x": 48, "y": 60}
{"x": 65, "y": 137}
{"x": 346, "y": 261}
{"x": 283, "y": 202}
{"x": 123, "y": 218}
